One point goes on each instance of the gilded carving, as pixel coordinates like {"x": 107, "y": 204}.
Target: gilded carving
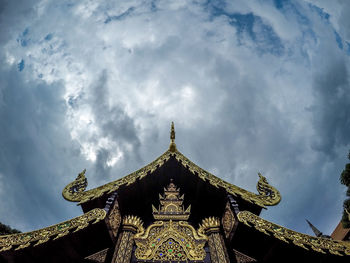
{"x": 98, "y": 257}
{"x": 268, "y": 195}
{"x": 22, "y": 240}
{"x": 228, "y": 220}
{"x": 209, "y": 224}
{"x": 170, "y": 241}
{"x": 171, "y": 205}
{"x": 242, "y": 258}
{"x": 122, "y": 254}
{"x": 170, "y": 238}
{"x": 211, "y": 227}
{"x": 133, "y": 223}
{"x": 114, "y": 218}
{"x": 318, "y": 244}
{"x": 220, "y": 248}
{"x": 75, "y": 191}
{"x": 77, "y": 187}
{"x": 70, "y": 194}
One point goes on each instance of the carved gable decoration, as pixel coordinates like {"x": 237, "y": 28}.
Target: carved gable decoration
{"x": 170, "y": 238}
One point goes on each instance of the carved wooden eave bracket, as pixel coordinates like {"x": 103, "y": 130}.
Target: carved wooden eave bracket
{"x": 318, "y": 244}
{"x": 37, "y": 237}
{"x": 268, "y": 195}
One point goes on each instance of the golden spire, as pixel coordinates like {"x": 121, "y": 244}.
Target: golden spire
{"x": 172, "y": 146}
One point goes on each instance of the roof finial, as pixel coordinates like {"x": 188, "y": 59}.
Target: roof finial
{"x": 317, "y": 232}
{"x": 172, "y": 146}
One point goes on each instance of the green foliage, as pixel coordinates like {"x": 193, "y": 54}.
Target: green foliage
{"x": 6, "y": 230}
{"x": 345, "y": 179}
{"x": 348, "y": 191}
{"x": 345, "y": 221}
{"x": 347, "y": 204}
{"x": 345, "y": 175}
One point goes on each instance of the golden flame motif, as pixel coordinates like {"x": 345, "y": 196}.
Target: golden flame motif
{"x": 170, "y": 238}
{"x": 133, "y": 223}
{"x": 210, "y": 224}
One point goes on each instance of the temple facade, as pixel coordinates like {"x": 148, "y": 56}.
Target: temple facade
{"x": 170, "y": 210}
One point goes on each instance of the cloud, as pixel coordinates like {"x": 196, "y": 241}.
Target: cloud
{"x": 331, "y": 109}
{"x": 35, "y": 151}
{"x": 252, "y": 86}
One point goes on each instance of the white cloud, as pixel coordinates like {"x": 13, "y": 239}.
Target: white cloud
{"x": 244, "y": 87}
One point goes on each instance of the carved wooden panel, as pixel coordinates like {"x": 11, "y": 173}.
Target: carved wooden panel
{"x": 242, "y": 258}
{"x": 228, "y": 220}
{"x": 98, "y": 257}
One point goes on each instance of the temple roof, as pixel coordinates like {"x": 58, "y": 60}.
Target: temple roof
{"x": 52, "y": 233}
{"x": 75, "y": 191}
{"x": 307, "y": 242}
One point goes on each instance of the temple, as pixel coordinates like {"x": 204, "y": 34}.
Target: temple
{"x": 170, "y": 210}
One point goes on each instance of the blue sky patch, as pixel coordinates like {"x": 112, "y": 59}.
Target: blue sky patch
{"x": 48, "y": 37}
{"x": 21, "y": 65}
{"x": 23, "y": 38}
{"x": 279, "y": 4}
{"x": 249, "y": 25}
{"x": 347, "y": 48}
{"x": 121, "y": 16}
{"x": 263, "y": 35}
{"x": 324, "y": 15}
{"x": 338, "y": 39}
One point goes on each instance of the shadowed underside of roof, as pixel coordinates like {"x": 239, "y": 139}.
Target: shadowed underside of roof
{"x": 268, "y": 196}
{"x": 37, "y": 237}
{"x": 318, "y": 244}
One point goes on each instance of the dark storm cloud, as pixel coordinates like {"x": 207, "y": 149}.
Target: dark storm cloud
{"x": 115, "y": 125}
{"x": 100, "y": 83}
{"x": 249, "y": 25}
{"x": 34, "y": 151}
{"x": 11, "y": 16}
{"x": 332, "y": 107}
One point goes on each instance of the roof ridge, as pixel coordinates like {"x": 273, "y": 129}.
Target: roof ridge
{"x": 268, "y": 195}
{"x": 319, "y": 244}
{"x": 23, "y": 240}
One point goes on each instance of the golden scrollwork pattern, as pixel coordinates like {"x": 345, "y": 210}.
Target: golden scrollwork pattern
{"x": 268, "y": 195}
{"x": 76, "y": 188}
{"x": 228, "y": 220}
{"x": 71, "y": 194}
{"x": 211, "y": 227}
{"x": 114, "y": 218}
{"x": 170, "y": 241}
{"x": 22, "y": 240}
{"x": 318, "y": 244}
{"x": 133, "y": 223}
{"x": 98, "y": 257}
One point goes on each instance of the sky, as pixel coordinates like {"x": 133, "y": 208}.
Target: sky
{"x": 252, "y": 86}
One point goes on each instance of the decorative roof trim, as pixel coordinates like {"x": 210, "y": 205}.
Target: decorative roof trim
{"x": 318, "y": 244}
{"x": 22, "y": 240}
{"x": 75, "y": 191}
